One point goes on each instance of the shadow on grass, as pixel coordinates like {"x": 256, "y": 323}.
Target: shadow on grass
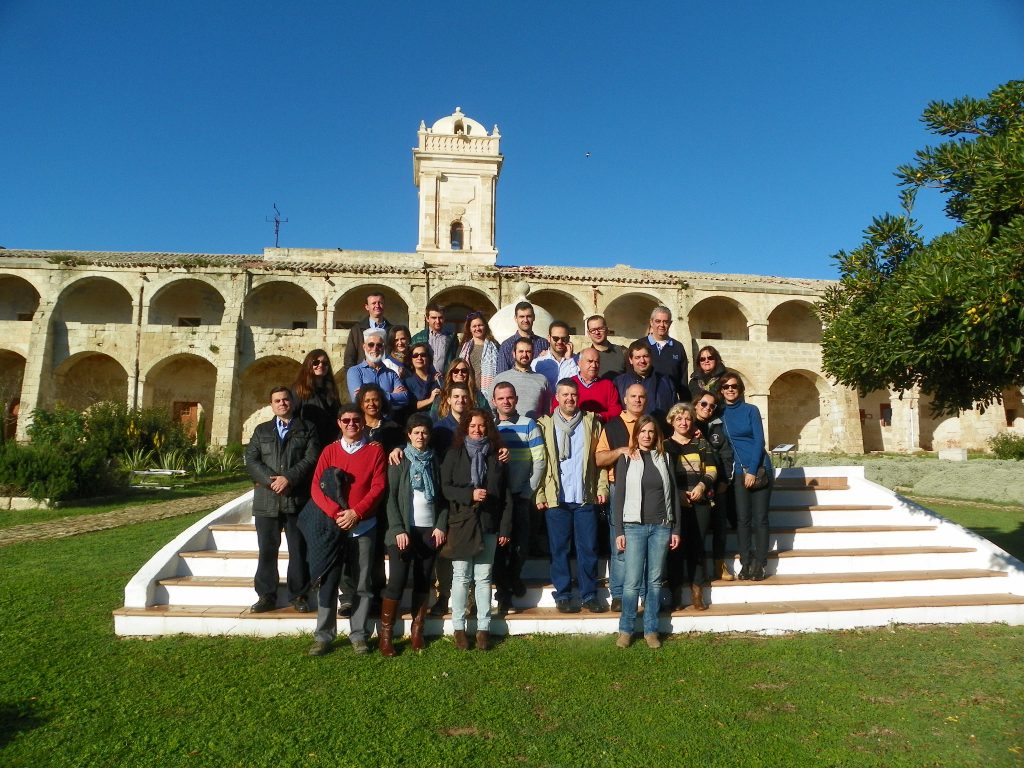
{"x": 16, "y": 718}
{"x": 1011, "y": 541}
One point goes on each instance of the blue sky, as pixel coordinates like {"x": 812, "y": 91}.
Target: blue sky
{"x": 736, "y": 137}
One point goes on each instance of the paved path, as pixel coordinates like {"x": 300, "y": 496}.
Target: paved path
{"x": 72, "y": 526}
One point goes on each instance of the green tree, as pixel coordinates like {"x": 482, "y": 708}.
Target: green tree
{"x": 946, "y": 315}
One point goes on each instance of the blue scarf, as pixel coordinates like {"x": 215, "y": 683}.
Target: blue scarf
{"x": 421, "y": 471}
{"x": 478, "y": 450}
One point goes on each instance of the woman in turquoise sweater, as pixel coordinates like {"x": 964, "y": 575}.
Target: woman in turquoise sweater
{"x": 752, "y": 477}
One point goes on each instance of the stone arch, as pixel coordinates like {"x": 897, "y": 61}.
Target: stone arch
{"x": 19, "y": 299}
{"x": 350, "y": 307}
{"x": 185, "y": 385}
{"x": 937, "y": 432}
{"x": 794, "y": 409}
{"x": 255, "y": 385}
{"x": 876, "y": 421}
{"x": 279, "y": 304}
{"x": 1013, "y": 409}
{"x": 95, "y": 300}
{"x": 562, "y": 306}
{"x": 87, "y": 378}
{"x": 718, "y": 318}
{"x": 12, "y": 376}
{"x": 186, "y": 302}
{"x": 794, "y": 321}
{"x": 629, "y": 315}
{"x": 458, "y": 302}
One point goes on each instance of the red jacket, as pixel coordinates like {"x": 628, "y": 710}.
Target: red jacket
{"x": 367, "y": 473}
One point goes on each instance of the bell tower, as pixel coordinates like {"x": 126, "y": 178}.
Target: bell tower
{"x": 456, "y": 167}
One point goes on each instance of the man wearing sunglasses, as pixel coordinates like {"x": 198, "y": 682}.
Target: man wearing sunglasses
{"x": 557, "y": 361}
{"x": 362, "y": 481}
{"x": 373, "y": 371}
{"x": 374, "y": 319}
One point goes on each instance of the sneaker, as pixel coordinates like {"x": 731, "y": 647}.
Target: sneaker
{"x": 319, "y": 648}
{"x": 595, "y": 605}
{"x": 652, "y": 640}
{"x": 565, "y": 606}
{"x": 264, "y": 604}
{"x": 360, "y": 647}
{"x": 301, "y": 604}
{"x": 617, "y": 604}
{"x": 623, "y": 640}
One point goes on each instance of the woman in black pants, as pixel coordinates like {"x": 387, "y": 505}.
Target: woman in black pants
{"x": 417, "y": 520}
{"x": 694, "y": 464}
{"x": 712, "y": 429}
{"x": 752, "y": 477}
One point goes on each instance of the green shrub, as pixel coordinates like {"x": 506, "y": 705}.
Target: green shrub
{"x": 61, "y": 426}
{"x": 1007, "y": 445}
{"x": 57, "y": 472}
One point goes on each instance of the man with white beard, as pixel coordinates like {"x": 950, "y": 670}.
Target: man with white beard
{"x": 373, "y": 371}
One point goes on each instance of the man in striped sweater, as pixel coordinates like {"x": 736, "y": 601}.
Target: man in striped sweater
{"x": 527, "y": 461}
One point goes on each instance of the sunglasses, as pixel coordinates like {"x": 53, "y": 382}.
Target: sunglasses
{"x": 460, "y": 372}
{"x": 560, "y": 339}
{"x": 351, "y": 420}
{"x": 730, "y": 386}
{"x": 318, "y": 363}
{"x": 707, "y": 359}
{"x": 371, "y": 345}
{"x": 419, "y": 354}
{"x": 702, "y": 404}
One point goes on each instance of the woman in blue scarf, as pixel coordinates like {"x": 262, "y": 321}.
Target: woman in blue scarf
{"x": 479, "y": 520}
{"x": 417, "y": 521}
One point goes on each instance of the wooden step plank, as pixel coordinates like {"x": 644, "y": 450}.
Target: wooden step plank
{"x": 867, "y": 551}
{"x": 872, "y": 577}
{"x": 811, "y": 484}
{"x": 724, "y": 609}
{"x": 828, "y": 507}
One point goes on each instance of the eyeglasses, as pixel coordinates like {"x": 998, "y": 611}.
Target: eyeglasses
{"x": 351, "y": 420}
{"x": 707, "y": 359}
{"x": 729, "y": 386}
{"x": 419, "y": 354}
{"x": 560, "y": 339}
{"x": 598, "y": 328}
{"x": 702, "y": 404}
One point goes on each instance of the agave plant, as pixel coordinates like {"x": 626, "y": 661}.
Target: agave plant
{"x": 202, "y": 464}
{"x": 137, "y": 460}
{"x": 173, "y": 460}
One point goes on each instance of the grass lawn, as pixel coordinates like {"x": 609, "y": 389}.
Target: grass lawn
{"x": 73, "y": 694}
{"x": 130, "y": 498}
{"x": 1002, "y": 525}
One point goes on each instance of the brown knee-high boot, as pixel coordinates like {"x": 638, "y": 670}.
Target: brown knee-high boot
{"x": 388, "y": 609}
{"x": 419, "y": 616}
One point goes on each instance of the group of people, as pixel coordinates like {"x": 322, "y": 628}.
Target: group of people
{"x": 460, "y": 457}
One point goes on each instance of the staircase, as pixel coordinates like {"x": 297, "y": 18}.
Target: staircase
{"x": 845, "y": 553}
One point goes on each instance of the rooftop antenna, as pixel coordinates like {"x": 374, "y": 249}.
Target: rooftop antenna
{"x": 277, "y": 224}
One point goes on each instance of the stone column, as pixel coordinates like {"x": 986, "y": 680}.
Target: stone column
{"x": 226, "y": 425}
{"x": 37, "y": 381}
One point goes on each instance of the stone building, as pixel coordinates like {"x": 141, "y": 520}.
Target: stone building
{"x": 209, "y": 333}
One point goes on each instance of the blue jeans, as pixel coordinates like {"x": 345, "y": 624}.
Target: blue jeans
{"x": 568, "y": 524}
{"x": 479, "y": 570}
{"x": 616, "y": 559}
{"x": 646, "y": 546}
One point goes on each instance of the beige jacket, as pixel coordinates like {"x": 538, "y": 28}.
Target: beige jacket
{"x": 595, "y": 481}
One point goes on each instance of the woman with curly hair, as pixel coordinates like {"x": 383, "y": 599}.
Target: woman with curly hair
{"x": 316, "y": 395}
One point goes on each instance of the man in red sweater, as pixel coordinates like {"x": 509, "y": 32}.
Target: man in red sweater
{"x": 362, "y": 485}
{"x": 598, "y": 396}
